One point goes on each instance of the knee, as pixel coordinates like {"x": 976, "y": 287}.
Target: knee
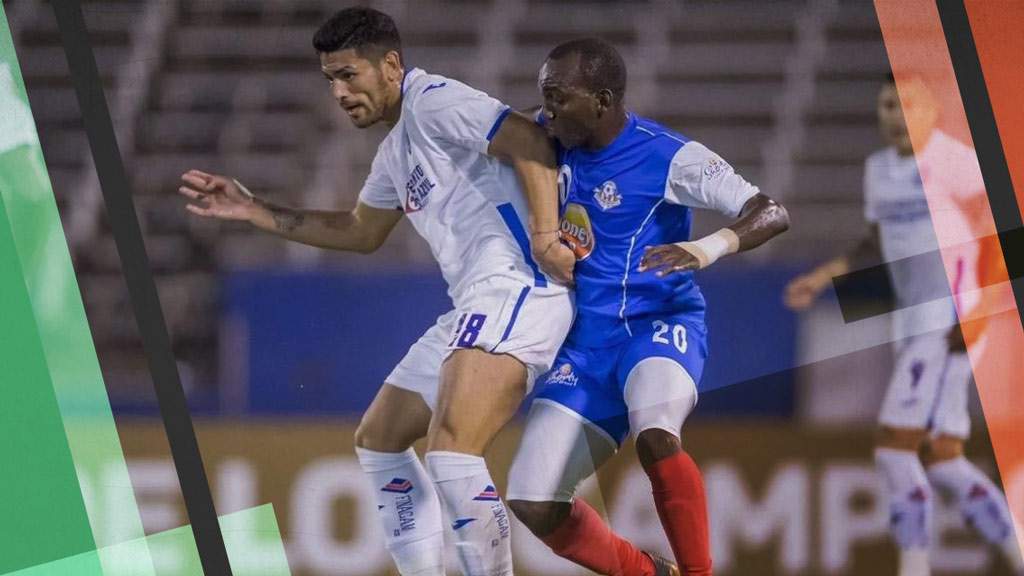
{"x": 655, "y": 444}
{"x": 374, "y": 435}
{"x": 444, "y": 435}
{"x": 900, "y": 438}
{"x": 542, "y": 518}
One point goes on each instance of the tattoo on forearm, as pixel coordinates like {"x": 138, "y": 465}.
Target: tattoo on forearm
{"x": 287, "y": 219}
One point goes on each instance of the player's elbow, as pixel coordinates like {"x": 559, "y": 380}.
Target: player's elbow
{"x": 780, "y": 217}
{"x": 774, "y": 215}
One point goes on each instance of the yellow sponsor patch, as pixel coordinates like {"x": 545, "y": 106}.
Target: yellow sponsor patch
{"x": 576, "y": 231}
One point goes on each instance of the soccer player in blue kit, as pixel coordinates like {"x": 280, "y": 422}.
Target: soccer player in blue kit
{"x": 635, "y": 354}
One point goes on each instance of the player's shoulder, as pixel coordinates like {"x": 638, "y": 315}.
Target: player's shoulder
{"x": 424, "y": 93}
{"x": 660, "y": 143}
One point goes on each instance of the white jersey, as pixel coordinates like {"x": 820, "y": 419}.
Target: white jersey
{"x": 895, "y": 200}
{"x": 434, "y": 166}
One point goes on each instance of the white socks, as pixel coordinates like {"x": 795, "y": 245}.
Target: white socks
{"x": 478, "y": 516}
{"x": 910, "y": 507}
{"x": 981, "y": 502}
{"x": 409, "y": 511}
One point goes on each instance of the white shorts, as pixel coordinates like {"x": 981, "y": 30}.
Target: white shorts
{"x": 500, "y": 315}
{"x": 929, "y": 388}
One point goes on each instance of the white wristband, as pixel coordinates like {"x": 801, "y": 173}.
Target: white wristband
{"x": 710, "y": 248}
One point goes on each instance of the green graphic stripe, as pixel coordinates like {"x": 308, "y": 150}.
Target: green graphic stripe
{"x": 68, "y": 495}
{"x": 58, "y": 318}
{"x": 252, "y": 539}
{"x": 42, "y": 515}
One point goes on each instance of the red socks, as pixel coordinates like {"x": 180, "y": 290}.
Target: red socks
{"x": 585, "y": 539}
{"x": 682, "y": 506}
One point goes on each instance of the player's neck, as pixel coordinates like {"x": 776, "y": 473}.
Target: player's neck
{"x": 608, "y": 131}
{"x": 394, "y": 111}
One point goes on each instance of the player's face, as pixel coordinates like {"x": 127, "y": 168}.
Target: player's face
{"x": 570, "y": 109}
{"x": 367, "y": 91}
{"x": 890, "y": 119}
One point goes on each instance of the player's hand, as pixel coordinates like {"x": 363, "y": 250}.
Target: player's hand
{"x": 218, "y": 197}
{"x": 554, "y": 258}
{"x": 955, "y": 340}
{"x": 802, "y": 291}
{"x": 667, "y": 259}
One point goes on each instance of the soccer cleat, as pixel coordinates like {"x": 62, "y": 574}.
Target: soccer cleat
{"x": 662, "y": 566}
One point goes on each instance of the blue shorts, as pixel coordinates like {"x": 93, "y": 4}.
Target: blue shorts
{"x": 591, "y": 381}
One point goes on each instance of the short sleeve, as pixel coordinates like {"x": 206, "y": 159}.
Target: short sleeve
{"x": 460, "y": 115}
{"x": 378, "y": 190}
{"x": 699, "y": 178}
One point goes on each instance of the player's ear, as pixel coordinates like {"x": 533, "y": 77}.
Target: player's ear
{"x": 604, "y": 101}
{"x": 391, "y": 66}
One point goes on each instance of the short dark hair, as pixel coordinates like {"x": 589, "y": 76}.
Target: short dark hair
{"x": 601, "y": 66}
{"x": 367, "y": 31}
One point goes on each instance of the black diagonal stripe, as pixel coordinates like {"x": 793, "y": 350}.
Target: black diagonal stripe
{"x": 141, "y": 288}
{"x": 867, "y": 292}
{"x": 985, "y": 133}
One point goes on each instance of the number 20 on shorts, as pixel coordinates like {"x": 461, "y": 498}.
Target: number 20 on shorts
{"x": 467, "y": 331}
{"x": 661, "y": 330}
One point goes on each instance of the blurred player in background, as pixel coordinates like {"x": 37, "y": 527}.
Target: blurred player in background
{"x": 465, "y": 378}
{"x": 925, "y": 407}
{"x": 637, "y": 349}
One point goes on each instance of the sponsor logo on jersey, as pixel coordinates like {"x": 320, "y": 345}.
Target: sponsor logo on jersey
{"x": 563, "y": 375}
{"x": 417, "y": 190}
{"x": 461, "y": 522}
{"x": 714, "y": 167}
{"x": 489, "y": 494}
{"x": 607, "y": 195}
{"x": 576, "y": 231}
{"x": 398, "y": 486}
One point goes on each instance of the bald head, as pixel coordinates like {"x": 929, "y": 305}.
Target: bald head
{"x": 595, "y": 64}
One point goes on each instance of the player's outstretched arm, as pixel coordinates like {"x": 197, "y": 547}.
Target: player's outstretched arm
{"x": 803, "y": 290}
{"x": 760, "y": 220}
{"x": 533, "y": 156}
{"x": 361, "y": 230}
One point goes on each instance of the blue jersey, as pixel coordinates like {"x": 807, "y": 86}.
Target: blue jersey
{"x": 637, "y": 192}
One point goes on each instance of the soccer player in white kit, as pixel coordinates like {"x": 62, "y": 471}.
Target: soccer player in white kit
{"x": 466, "y": 377}
{"x": 926, "y": 403}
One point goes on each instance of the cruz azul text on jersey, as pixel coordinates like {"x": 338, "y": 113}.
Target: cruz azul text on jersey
{"x": 417, "y": 189}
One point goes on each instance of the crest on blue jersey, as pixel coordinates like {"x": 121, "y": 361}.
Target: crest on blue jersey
{"x": 398, "y": 485}
{"x": 607, "y": 195}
